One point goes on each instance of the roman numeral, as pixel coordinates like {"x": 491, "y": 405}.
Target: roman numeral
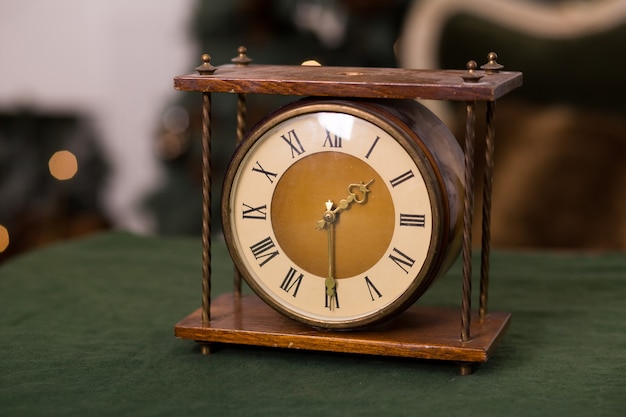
{"x": 402, "y": 260}
{"x": 333, "y": 142}
{"x": 263, "y": 250}
{"x": 418, "y": 220}
{"x": 268, "y": 174}
{"x": 291, "y": 281}
{"x": 296, "y": 148}
{"x": 401, "y": 178}
{"x": 371, "y": 287}
{"x": 250, "y": 212}
{"x": 367, "y": 155}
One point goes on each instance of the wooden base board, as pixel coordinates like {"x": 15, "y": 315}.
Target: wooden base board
{"x": 420, "y": 332}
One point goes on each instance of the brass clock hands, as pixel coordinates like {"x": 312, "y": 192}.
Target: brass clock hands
{"x": 330, "y": 283}
{"x": 328, "y": 223}
{"x": 330, "y": 214}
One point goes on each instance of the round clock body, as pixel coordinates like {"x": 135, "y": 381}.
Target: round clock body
{"x": 340, "y": 214}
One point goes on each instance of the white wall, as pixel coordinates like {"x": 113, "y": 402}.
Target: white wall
{"x": 112, "y": 61}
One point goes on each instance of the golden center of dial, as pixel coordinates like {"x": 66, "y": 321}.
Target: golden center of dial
{"x": 362, "y": 231}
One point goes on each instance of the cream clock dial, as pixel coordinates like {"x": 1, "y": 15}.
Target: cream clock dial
{"x": 337, "y": 214}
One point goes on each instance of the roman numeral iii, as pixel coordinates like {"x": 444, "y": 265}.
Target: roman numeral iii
{"x": 416, "y": 220}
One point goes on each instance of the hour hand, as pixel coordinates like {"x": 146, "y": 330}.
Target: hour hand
{"x": 357, "y": 193}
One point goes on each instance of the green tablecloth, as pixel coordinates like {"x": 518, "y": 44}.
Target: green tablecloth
{"x": 86, "y": 328}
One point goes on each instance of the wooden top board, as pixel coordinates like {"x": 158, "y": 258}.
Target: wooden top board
{"x": 351, "y": 82}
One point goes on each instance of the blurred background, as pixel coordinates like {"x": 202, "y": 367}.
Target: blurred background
{"x": 93, "y": 136}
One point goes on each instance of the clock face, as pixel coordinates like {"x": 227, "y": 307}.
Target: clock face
{"x": 328, "y": 213}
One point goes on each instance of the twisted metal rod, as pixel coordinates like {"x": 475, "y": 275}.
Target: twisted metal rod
{"x": 466, "y": 303}
{"x": 206, "y": 208}
{"x": 486, "y": 215}
{"x": 241, "y": 131}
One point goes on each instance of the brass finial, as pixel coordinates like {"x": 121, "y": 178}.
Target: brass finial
{"x": 492, "y": 67}
{"x": 206, "y": 68}
{"x": 242, "y": 59}
{"x": 471, "y": 76}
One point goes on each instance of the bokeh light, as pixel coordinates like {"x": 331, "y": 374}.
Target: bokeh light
{"x": 4, "y": 238}
{"x": 63, "y": 165}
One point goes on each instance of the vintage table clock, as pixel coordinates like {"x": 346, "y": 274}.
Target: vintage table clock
{"x": 340, "y": 209}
